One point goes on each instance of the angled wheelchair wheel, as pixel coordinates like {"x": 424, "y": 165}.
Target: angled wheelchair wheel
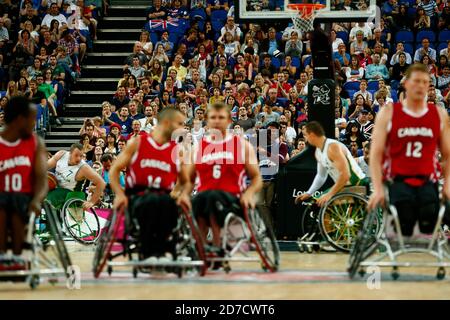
{"x": 82, "y": 225}
{"x": 366, "y": 242}
{"x": 341, "y": 219}
{"x": 191, "y": 242}
{"x": 56, "y": 233}
{"x": 106, "y": 242}
{"x": 264, "y": 240}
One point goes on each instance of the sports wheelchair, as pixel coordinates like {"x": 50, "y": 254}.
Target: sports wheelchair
{"x": 49, "y": 259}
{"x": 242, "y": 237}
{"x": 337, "y": 223}
{"x": 392, "y": 245}
{"x": 82, "y": 225}
{"x": 119, "y": 239}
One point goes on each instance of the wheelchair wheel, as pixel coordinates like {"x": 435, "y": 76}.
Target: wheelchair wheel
{"x": 365, "y": 244}
{"x": 82, "y": 225}
{"x": 56, "y": 233}
{"x": 341, "y": 219}
{"x": 264, "y": 240}
{"x": 193, "y": 247}
{"x": 106, "y": 242}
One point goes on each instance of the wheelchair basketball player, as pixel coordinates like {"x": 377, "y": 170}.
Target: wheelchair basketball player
{"x": 403, "y": 157}
{"x": 152, "y": 163}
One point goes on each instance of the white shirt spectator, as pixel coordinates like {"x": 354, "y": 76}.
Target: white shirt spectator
{"x": 290, "y": 134}
{"x": 365, "y": 29}
{"x": 421, "y": 52}
{"x": 336, "y": 44}
{"x": 394, "y": 58}
{"x": 445, "y": 52}
{"x": 147, "y": 127}
{"x": 235, "y": 31}
{"x": 48, "y": 19}
{"x": 4, "y": 34}
{"x": 287, "y": 33}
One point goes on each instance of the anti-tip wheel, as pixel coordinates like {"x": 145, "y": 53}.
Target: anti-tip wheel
{"x": 440, "y": 273}
{"x": 362, "y": 272}
{"x": 34, "y": 281}
{"x": 395, "y": 274}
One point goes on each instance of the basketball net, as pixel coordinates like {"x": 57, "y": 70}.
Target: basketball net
{"x": 303, "y": 18}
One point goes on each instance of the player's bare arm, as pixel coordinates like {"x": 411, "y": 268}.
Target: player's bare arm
{"x": 379, "y": 137}
{"x": 252, "y": 169}
{"x": 445, "y": 151}
{"x": 40, "y": 186}
{"x": 122, "y": 161}
{"x": 87, "y": 173}
{"x": 186, "y": 179}
{"x": 336, "y": 155}
{"x": 51, "y": 163}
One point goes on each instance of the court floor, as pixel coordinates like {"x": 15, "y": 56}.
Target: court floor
{"x": 301, "y": 276}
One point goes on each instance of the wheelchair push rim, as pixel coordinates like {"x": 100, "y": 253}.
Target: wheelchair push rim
{"x": 196, "y": 241}
{"x": 263, "y": 239}
{"x": 82, "y": 225}
{"x": 366, "y": 242}
{"x": 341, "y": 219}
{"x": 56, "y": 233}
{"x": 105, "y": 242}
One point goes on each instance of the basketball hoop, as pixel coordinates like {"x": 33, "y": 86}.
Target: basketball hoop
{"x": 303, "y": 18}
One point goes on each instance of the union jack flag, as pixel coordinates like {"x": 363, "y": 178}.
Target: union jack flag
{"x": 156, "y": 25}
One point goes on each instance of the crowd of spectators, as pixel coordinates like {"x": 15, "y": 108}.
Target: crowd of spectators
{"x": 42, "y": 46}
{"x": 260, "y": 71}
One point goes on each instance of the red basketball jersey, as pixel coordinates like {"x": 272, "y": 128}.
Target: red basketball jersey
{"x": 220, "y": 165}
{"x": 153, "y": 166}
{"x": 412, "y": 143}
{"x": 16, "y": 165}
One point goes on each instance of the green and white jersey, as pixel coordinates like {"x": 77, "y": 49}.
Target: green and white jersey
{"x": 66, "y": 174}
{"x": 356, "y": 173}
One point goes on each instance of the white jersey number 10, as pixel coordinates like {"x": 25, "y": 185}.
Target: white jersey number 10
{"x": 13, "y": 182}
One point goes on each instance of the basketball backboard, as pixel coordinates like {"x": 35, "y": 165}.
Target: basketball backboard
{"x": 259, "y": 11}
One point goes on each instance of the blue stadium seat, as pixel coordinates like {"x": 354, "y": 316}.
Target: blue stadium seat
{"x": 307, "y": 62}
{"x": 217, "y": 25}
{"x": 440, "y": 47}
{"x": 218, "y": 18}
{"x": 279, "y": 35}
{"x": 351, "y": 93}
{"x": 373, "y": 85}
{"x": 296, "y": 62}
{"x": 2, "y": 94}
{"x": 426, "y": 34}
{"x": 276, "y": 62}
{"x": 394, "y": 95}
{"x": 444, "y": 36}
{"x": 412, "y": 12}
{"x": 351, "y": 85}
{"x": 409, "y": 48}
{"x": 342, "y": 35}
{"x": 404, "y": 36}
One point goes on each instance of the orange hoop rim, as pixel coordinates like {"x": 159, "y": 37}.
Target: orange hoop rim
{"x": 306, "y": 7}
